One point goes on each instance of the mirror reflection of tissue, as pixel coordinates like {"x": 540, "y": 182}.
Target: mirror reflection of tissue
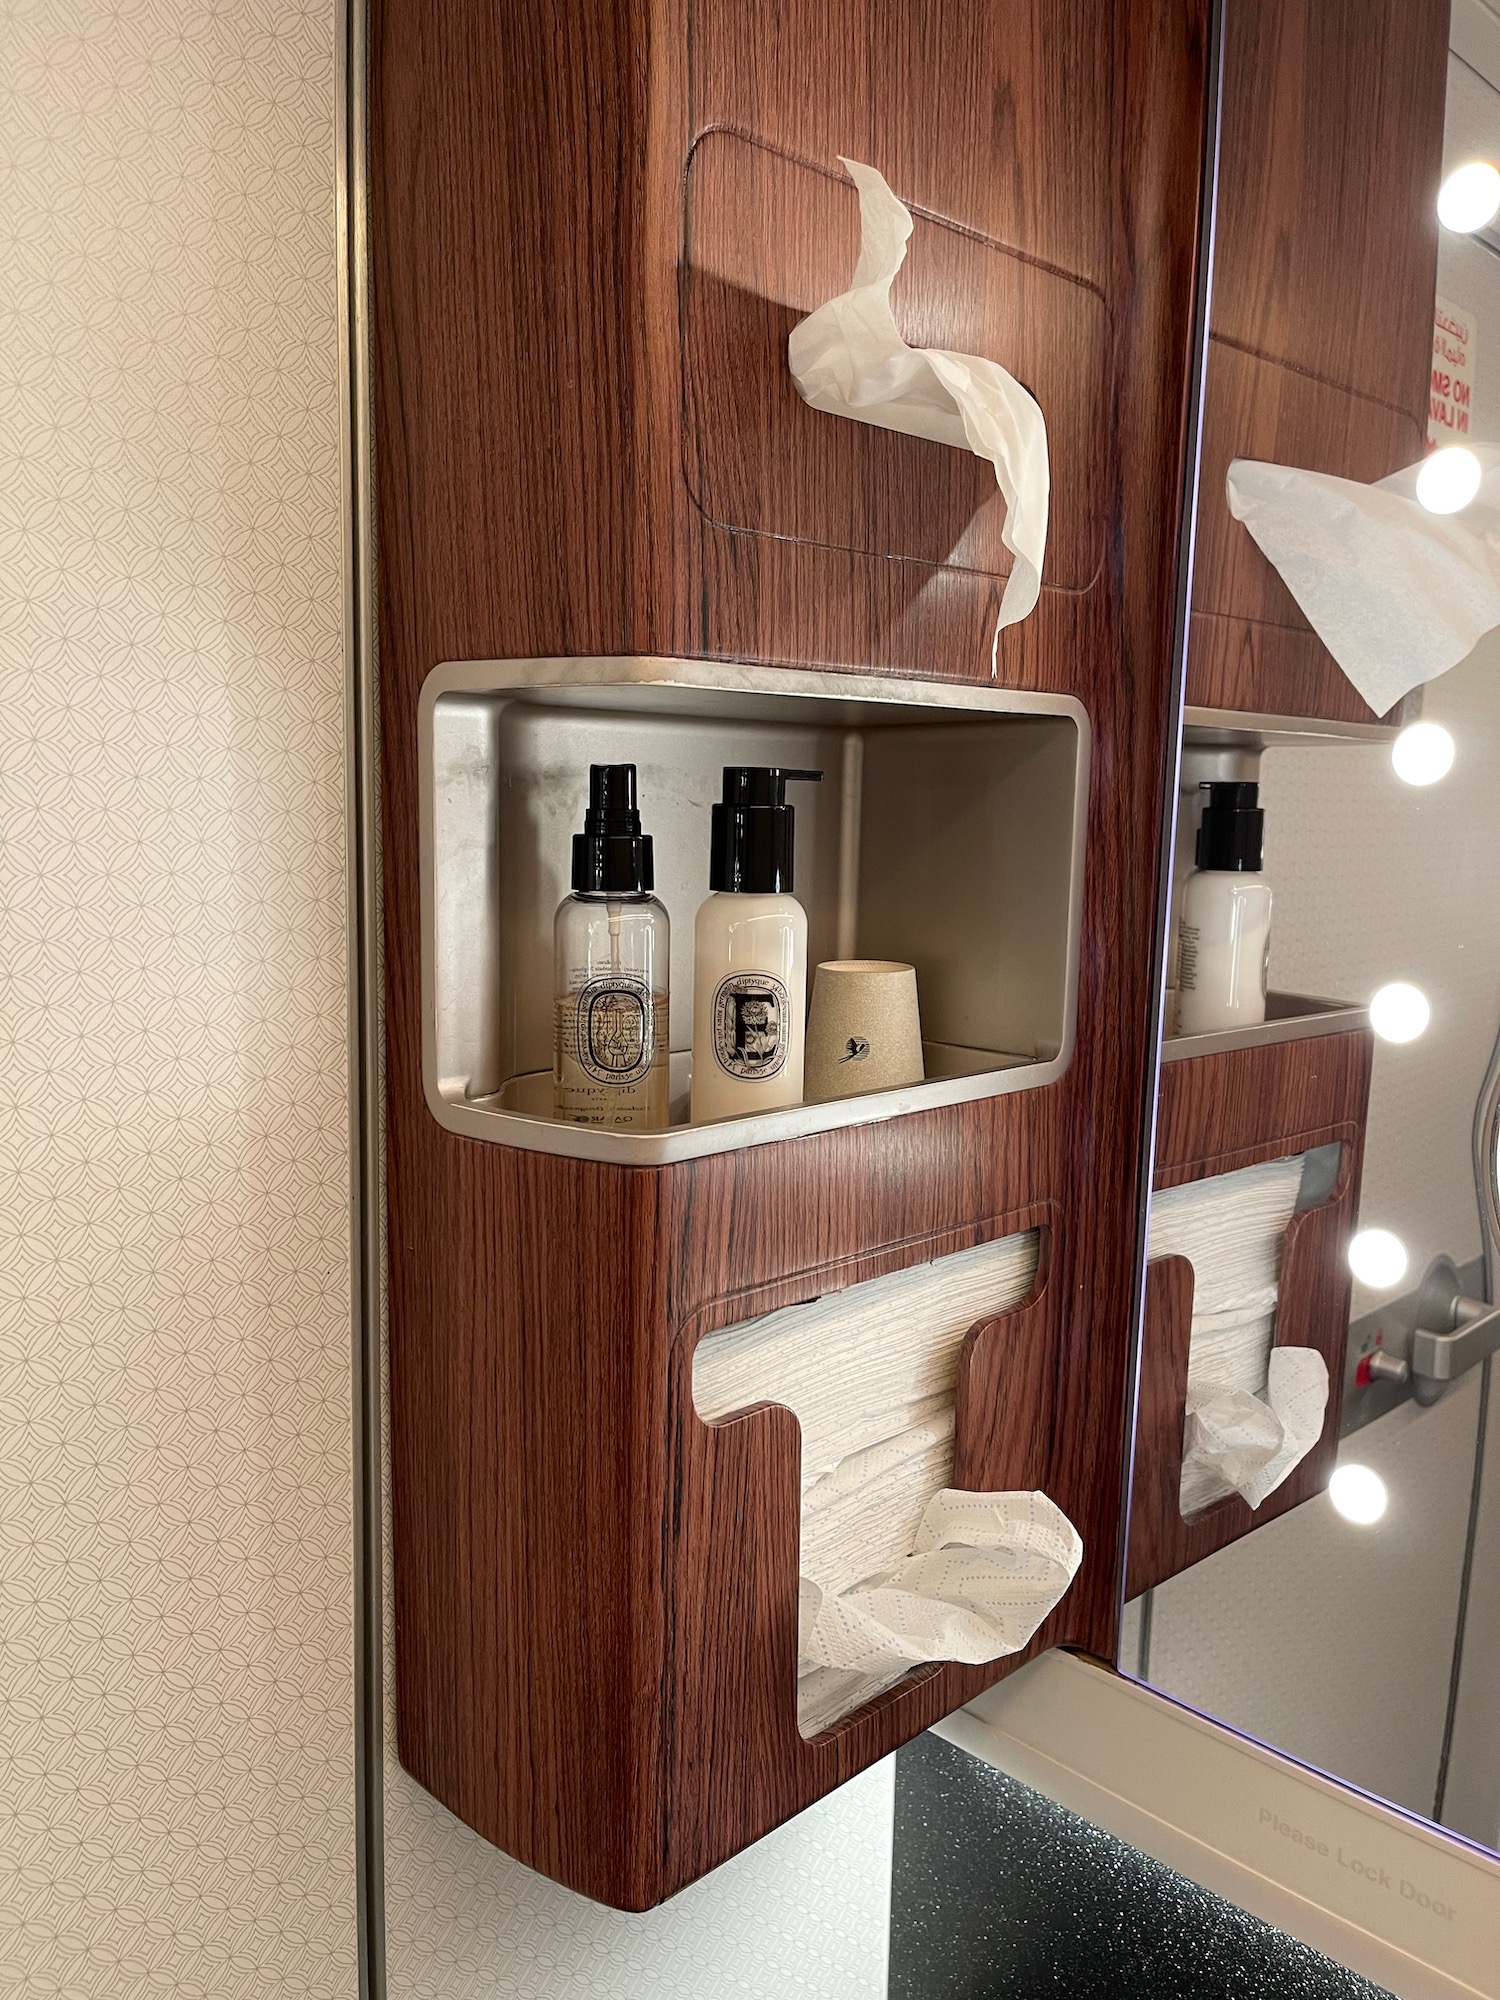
{"x": 1397, "y": 592}
{"x": 1250, "y": 1444}
{"x": 1254, "y": 1410}
{"x": 848, "y": 358}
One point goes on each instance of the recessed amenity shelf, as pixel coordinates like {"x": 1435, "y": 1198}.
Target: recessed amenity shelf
{"x": 1240, "y": 729}
{"x": 1290, "y": 1017}
{"x": 948, "y": 832}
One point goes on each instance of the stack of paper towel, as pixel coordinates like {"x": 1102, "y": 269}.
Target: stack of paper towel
{"x": 1231, "y": 1228}
{"x": 870, "y": 1373}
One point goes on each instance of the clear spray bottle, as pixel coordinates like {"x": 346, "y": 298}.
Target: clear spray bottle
{"x": 611, "y": 969}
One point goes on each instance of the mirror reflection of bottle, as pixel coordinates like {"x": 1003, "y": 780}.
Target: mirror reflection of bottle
{"x": 611, "y": 959}
{"x": 1224, "y": 928}
{"x": 750, "y": 954}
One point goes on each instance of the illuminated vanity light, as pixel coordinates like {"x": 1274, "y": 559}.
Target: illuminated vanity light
{"x": 1377, "y": 1258}
{"x": 1399, "y": 1013}
{"x": 1422, "y": 753}
{"x": 1358, "y": 1494}
{"x": 1469, "y": 197}
{"x": 1449, "y": 479}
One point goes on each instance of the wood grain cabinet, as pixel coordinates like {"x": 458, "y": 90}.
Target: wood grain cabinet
{"x": 1320, "y": 349}
{"x": 592, "y": 226}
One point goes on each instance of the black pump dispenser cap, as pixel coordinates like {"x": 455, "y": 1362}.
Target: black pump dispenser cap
{"x": 1232, "y": 836}
{"x": 750, "y": 848}
{"x": 612, "y": 857}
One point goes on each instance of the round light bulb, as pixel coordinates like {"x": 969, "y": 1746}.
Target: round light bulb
{"x": 1449, "y": 479}
{"x": 1422, "y": 753}
{"x": 1378, "y": 1259}
{"x": 1358, "y": 1494}
{"x": 1469, "y": 197}
{"x": 1399, "y": 1013}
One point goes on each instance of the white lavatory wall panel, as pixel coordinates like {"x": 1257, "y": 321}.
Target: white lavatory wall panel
{"x": 176, "y": 1733}
{"x": 1332, "y": 1641}
{"x": 1469, "y": 275}
{"x": 1377, "y": 880}
{"x": 1471, "y": 1801}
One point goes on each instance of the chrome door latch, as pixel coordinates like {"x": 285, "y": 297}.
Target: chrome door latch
{"x": 1452, "y": 1334}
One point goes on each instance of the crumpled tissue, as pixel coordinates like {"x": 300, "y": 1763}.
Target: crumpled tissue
{"x": 848, "y": 357}
{"x": 1254, "y": 1410}
{"x": 1250, "y": 1444}
{"x": 984, "y": 1571}
{"x": 896, "y": 1565}
{"x": 1396, "y": 593}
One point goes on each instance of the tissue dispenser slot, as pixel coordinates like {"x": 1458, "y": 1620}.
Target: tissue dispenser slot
{"x": 767, "y": 238}
{"x": 1218, "y": 1113}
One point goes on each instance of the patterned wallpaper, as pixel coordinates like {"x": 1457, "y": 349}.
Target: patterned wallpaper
{"x": 176, "y": 1767}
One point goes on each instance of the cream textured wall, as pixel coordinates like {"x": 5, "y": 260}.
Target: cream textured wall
{"x": 176, "y": 1757}
{"x": 176, "y": 1731}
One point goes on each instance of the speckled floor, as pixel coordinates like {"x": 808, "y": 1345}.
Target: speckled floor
{"x": 998, "y": 1894}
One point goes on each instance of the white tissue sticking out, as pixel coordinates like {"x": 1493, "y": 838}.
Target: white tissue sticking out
{"x": 1249, "y": 1444}
{"x": 897, "y": 1566}
{"x": 984, "y": 1571}
{"x": 1397, "y": 594}
{"x": 848, "y": 358}
{"x": 1254, "y": 1411}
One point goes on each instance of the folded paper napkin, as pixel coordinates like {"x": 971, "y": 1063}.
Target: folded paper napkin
{"x": 1398, "y": 595}
{"x": 848, "y": 357}
{"x": 1254, "y": 1410}
{"x": 897, "y": 1566}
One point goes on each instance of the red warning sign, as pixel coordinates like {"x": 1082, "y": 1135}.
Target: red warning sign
{"x": 1450, "y": 406}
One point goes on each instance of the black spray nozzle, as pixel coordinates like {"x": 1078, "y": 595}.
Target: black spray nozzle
{"x": 612, "y": 857}
{"x": 1232, "y": 833}
{"x": 754, "y": 830}
{"x": 612, "y": 807}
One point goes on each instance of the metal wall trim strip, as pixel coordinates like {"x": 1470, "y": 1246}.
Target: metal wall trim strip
{"x": 362, "y": 810}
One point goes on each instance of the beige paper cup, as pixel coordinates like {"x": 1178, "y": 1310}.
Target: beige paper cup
{"x": 863, "y": 1030}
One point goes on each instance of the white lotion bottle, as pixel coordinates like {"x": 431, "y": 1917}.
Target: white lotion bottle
{"x": 1224, "y": 926}
{"x": 750, "y": 954}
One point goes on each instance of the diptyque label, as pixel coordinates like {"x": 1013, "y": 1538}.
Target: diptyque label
{"x": 615, "y": 1038}
{"x": 752, "y": 1025}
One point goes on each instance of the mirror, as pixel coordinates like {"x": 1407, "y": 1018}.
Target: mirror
{"x": 1350, "y": 1616}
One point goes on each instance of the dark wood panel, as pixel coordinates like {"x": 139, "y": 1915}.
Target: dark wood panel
{"x": 1265, "y": 669}
{"x": 1259, "y": 409}
{"x": 593, "y": 1590}
{"x": 962, "y": 108}
{"x": 1325, "y": 268}
{"x": 1215, "y": 1115}
{"x": 1251, "y": 646}
{"x": 1330, "y": 150}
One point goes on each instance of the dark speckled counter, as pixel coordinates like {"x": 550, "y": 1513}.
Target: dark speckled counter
{"x": 998, "y": 1894}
